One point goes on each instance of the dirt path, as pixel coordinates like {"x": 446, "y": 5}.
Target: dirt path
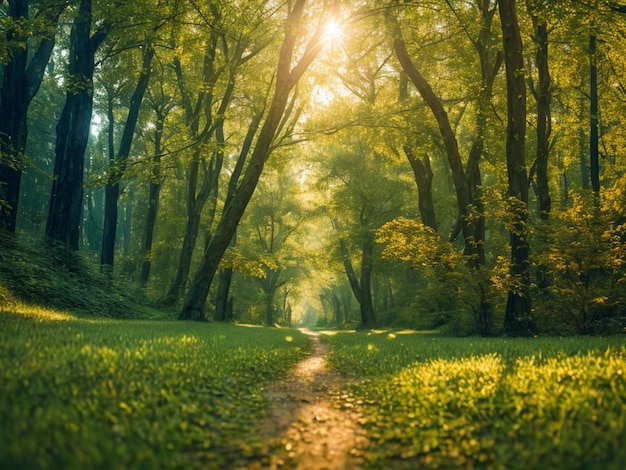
{"x": 306, "y": 427}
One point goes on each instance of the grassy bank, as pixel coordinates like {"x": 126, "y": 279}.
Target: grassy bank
{"x": 84, "y": 393}
{"x": 544, "y": 403}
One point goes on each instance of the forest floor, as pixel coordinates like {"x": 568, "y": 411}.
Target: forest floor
{"x": 311, "y": 424}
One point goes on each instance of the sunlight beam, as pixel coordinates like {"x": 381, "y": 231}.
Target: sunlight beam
{"x": 333, "y": 30}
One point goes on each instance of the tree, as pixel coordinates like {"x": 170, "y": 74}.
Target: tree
{"x": 463, "y": 194}
{"x": 205, "y": 109}
{"x": 517, "y": 318}
{"x": 21, "y": 78}
{"x": 118, "y": 164}
{"x": 287, "y": 77}
{"x": 73, "y": 127}
{"x": 543, "y": 97}
{"x": 161, "y": 103}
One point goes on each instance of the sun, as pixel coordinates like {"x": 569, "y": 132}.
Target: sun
{"x": 333, "y": 30}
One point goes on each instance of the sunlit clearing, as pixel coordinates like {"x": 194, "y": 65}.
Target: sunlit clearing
{"x": 335, "y": 332}
{"x": 333, "y": 31}
{"x": 40, "y": 313}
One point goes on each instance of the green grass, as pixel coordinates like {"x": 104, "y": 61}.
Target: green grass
{"x": 77, "y": 393}
{"x": 434, "y": 402}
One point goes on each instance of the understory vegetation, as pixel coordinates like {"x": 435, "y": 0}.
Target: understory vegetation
{"x": 436, "y": 402}
{"x": 85, "y": 393}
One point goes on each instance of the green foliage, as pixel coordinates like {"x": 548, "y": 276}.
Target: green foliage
{"x": 584, "y": 256}
{"x": 129, "y": 394}
{"x": 488, "y": 403}
{"x": 448, "y": 291}
{"x": 417, "y": 245}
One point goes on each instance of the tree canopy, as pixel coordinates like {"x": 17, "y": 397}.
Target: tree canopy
{"x": 451, "y": 164}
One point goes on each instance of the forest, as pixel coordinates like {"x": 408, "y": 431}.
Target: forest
{"x": 448, "y": 164}
{"x": 395, "y": 229}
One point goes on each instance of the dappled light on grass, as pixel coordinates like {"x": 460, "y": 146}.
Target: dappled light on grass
{"x": 132, "y": 394}
{"x": 466, "y": 403}
{"x": 37, "y": 313}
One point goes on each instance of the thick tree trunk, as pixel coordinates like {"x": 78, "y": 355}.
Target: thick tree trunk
{"x": 517, "y": 319}
{"x": 22, "y": 78}
{"x": 66, "y": 198}
{"x": 286, "y": 79}
{"x": 118, "y": 166}
{"x": 423, "y": 175}
{"x": 222, "y": 301}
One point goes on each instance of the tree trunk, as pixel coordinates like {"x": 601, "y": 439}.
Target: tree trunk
{"x": 543, "y": 95}
{"x": 423, "y": 175}
{"x": 368, "y": 317}
{"x": 517, "y": 320}
{"x": 154, "y": 192}
{"x": 117, "y": 167}
{"x": 286, "y": 79}
{"x": 269, "y": 286}
{"x": 184, "y": 264}
{"x": 361, "y": 286}
{"x": 21, "y": 81}
{"x": 73, "y": 128}
{"x": 196, "y": 199}
{"x": 221, "y": 303}
{"x": 489, "y": 67}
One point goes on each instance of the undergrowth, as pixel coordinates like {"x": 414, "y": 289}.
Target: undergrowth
{"x": 433, "y": 402}
{"x": 84, "y": 393}
{"x": 33, "y": 272}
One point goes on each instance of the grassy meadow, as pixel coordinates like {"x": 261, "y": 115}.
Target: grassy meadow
{"x": 81, "y": 394}
{"x": 436, "y": 402}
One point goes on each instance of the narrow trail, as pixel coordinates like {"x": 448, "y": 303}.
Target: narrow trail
{"x": 308, "y": 425}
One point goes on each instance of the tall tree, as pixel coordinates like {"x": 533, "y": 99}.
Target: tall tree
{"x": 223, "y": 302}
{"x": 205, "y": 107}
{"x": 445, "y": 128}
{"x": 517, "y": 318}
{"x": 543, "y": 96}
{"x": 287, "y": 77}
{"x": 118, "y": 164}
{"x": 73, "y": 127}
{"x": 161, "y": 104}
{"x": 21, "y": 78}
